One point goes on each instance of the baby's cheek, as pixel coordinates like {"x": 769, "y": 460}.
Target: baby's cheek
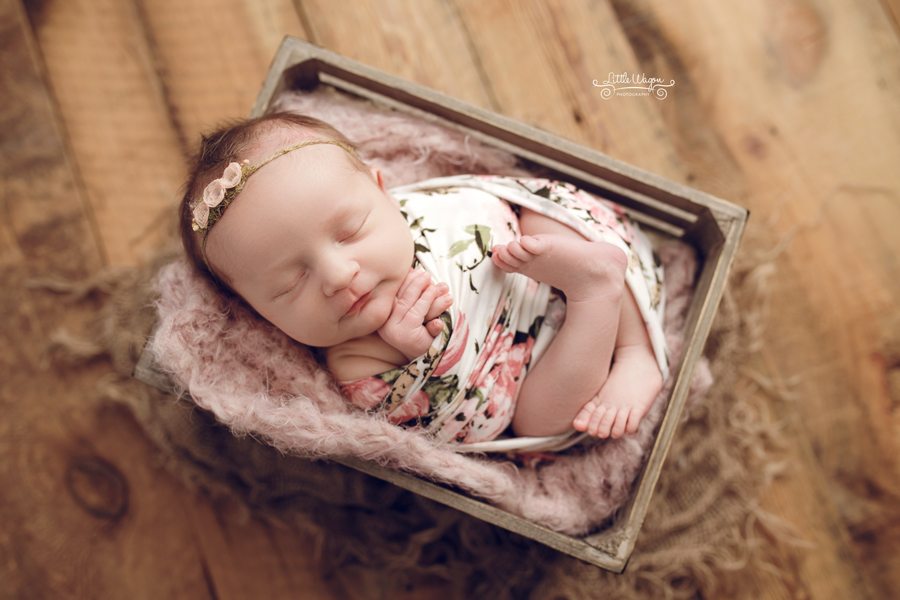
{"x": 381, "y": 309}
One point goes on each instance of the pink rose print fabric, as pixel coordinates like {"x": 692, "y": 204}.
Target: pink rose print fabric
{"x": 463, "y": 390}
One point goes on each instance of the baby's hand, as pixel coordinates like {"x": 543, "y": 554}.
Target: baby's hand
{"x": 413, "y": 323}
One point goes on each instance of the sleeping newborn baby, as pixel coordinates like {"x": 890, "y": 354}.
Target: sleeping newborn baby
{"x": 463, "y": 305}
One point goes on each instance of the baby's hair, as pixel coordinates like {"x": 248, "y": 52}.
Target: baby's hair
{"x": 230, "y": 143}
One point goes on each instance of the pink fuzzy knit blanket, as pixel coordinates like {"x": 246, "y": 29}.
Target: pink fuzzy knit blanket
{"x": 258, "y": 381}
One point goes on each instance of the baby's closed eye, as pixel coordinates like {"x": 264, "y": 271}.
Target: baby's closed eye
{"x": 292, "y": 286}
{"x": 354, "y": 232}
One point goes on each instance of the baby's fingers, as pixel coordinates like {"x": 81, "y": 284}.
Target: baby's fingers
{"x": 440, "y": 304}
{"x": 424, "y": 303}
{"x": 411, "y": 290}
{"x": 434, "y": 327}
{"x": 413, "y": 284}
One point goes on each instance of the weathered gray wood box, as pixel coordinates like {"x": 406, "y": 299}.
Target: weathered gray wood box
{"x": 713, "y": 226}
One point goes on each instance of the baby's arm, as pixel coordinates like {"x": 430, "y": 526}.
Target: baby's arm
{"x": 413, "y": 323}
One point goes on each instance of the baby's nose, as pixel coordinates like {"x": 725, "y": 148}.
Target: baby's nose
{"x": 338, "y": 275}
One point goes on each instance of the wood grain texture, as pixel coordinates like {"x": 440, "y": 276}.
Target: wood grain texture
{"x": 804, "y": 106}
{"x": 566, "y": 46}
{"x": 713, "y": 156}
{"x": 788, "y": 108}
{"x": 83, "y": 508}
{"x": 107, "y": 521}
{"x": 423, "y": 41}
{"x": 111, "y": 104}
{"x": 213, "y": 73}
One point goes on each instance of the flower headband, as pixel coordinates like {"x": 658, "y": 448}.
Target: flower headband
{"x": 222, "y": 191}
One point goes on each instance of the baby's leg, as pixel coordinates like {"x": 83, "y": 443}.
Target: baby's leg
{"x": 633, "y": 384}
{"x": 576, "y": 364}
{"x": 634, "y": 381}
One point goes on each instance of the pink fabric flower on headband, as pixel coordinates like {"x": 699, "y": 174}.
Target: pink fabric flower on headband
{"x": 224, "y": 188}
{"x": 214, "y": 193}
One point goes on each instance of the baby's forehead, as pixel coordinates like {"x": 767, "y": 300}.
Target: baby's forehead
{"x": 269, "y": 140}
{"x": 319, "y": 156}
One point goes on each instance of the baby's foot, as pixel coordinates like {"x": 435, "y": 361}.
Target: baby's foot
{"x": 633, "y": 384}
{"x": 583, "y": 270}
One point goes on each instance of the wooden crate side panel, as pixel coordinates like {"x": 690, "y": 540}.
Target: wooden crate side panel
{"x": 710, "y": 224}
{"x": 664, "y": 200}
{"x": 713, "y": 279}
{"x": 486, "y": 512}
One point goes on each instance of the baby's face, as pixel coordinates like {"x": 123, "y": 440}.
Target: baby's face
{"x": 306, "y": 238}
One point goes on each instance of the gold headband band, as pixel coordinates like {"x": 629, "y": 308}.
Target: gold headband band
{"x": 222, "y": 191}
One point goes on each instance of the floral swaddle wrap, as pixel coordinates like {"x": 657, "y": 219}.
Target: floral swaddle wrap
{"x": 464, "y": 388}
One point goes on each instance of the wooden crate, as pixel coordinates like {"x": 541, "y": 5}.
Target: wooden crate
{"x": 712, "y": 225}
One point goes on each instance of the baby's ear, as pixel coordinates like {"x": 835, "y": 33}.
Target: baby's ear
{"x": 377, "y": 177}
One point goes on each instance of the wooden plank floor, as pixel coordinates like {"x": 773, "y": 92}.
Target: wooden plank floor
{"x": 789, "y": 108}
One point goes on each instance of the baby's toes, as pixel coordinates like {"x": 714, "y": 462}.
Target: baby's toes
{"x": 517, "y": 251}
{"x": 618, "y": 427}
{"x": 533, "y": 244}
{"x": 597, "y": 419}
{"x": 583, "y": 418}
{"x": 508, "y": 257}
{"x": 606, "y": 422}
{"x": 499, "y": 256}
{"x": 634, "y": 420}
